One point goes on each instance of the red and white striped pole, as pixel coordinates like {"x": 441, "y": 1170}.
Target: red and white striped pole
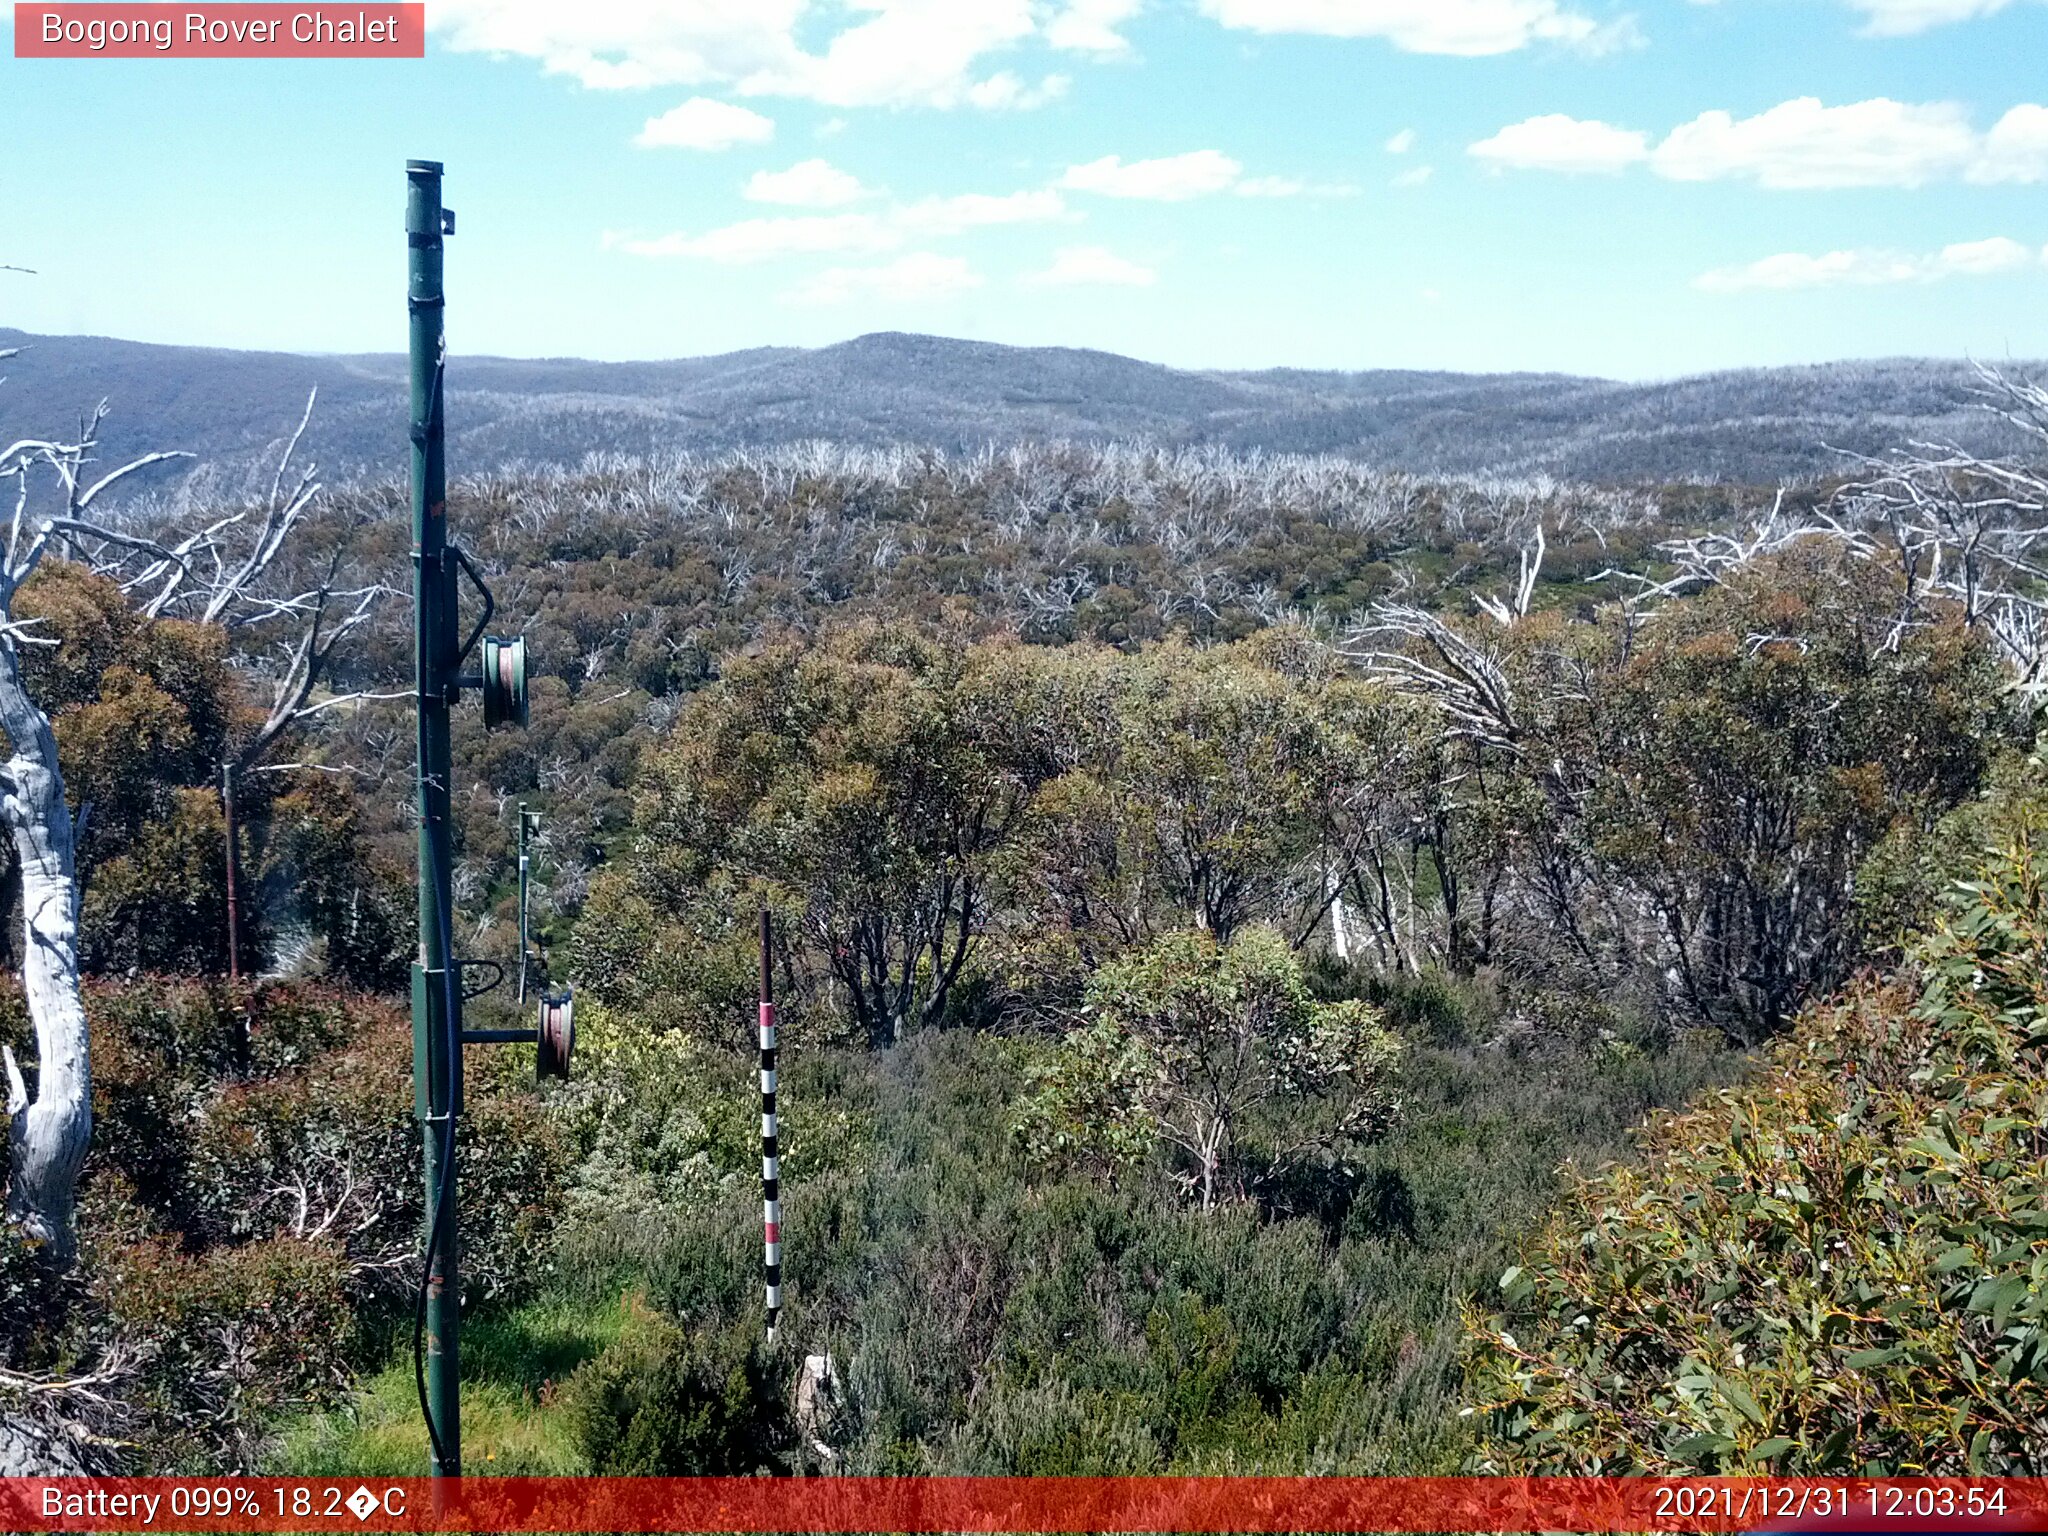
{"x": 771, "y": 1202}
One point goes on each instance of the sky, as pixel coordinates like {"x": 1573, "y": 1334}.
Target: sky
{"x": 1636, "y": 190}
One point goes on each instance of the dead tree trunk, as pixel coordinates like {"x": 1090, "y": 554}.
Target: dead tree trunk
{"x": 47, "y": 1133}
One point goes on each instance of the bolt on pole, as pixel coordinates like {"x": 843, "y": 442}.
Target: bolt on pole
{"x": 436, "y": 989}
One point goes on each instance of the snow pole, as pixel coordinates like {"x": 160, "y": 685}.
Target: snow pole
{"x": 771, "y": 1201}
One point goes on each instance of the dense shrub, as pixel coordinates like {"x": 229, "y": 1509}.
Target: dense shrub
{"x": 1838, "y": 1268}
{"x": 665, "y": 1401}
{"x": 252, "y": 1204}
{"x": 230, "y": 1337}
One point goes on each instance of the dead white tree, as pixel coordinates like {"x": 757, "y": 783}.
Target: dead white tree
{"x": 1966, "y": 529}
{"x": 1418, "y": 653}
{"x": 1499, "y": 609}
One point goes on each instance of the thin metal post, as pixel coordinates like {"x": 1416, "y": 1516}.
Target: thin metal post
{"x": 771, "y": 1194}
{"x": 227, "y": 807}
{"x": 524, "y": 963}
{"x": 436, "y": 994}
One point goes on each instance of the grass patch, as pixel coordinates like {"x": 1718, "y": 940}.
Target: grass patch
{"x": 512, "y": 1363}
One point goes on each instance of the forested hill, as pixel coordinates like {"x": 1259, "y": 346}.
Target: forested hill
{"x": 1755, "y": 426}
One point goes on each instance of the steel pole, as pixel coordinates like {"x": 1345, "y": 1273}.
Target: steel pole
{"x": 436, "y": 998}
{"x": 227, "y": 810}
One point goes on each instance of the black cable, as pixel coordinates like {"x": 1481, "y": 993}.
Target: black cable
{"x": 421, "y": 434}
{"x": 419, "y": 1317}
{"x": 443, "y": 1188}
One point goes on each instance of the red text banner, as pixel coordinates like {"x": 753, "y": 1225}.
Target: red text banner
{"x": 220, "y": 31}
{"x": 908, "y": 1504}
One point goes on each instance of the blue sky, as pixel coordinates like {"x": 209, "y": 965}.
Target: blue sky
{"x": 1638, "y": 190}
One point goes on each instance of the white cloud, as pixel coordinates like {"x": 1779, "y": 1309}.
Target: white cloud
{"x": 701, "y": 123}
{"x": 1090, "y": 26}
{"x": 896, "y": 53}
{"x": 756, "y": 240}
{"x": 1555, "y": 142}
{"x": 1802, "y": 144}
{"x": 1981, "y": 258}
{"x": 1076, "y": 266}
{"x": 1171, "y": 179}
{"x": 1796, "y": 145}
{"x": 1007, "y": 92}
{"x": 1792, "y": 269}
{"x": 1415, "y": 176}
{"x": 978, "y": 210}
{"x": 1401, "y": 142}
{"x": 1292, "y": 186}
{"x": 2016, "y": 148}
{"x": 752, "y": 241}
{"x": 909, "y": 52}
{"x": 626, "y": 44}
{"x": 1467, "y": 27}
{"x": 1903, "y": 18}
{"x": 807, "y": 184}
{"x": 920, "y": 275}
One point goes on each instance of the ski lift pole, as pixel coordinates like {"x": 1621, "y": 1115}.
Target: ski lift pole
{"x": 436, "y": 990}
{"x": 771, "y": 1201}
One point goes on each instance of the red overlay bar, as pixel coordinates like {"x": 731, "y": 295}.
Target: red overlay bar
{"x": 365, "y": 29}
{"x": 912, "y": 1504}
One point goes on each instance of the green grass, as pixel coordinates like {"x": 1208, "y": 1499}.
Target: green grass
{"x": 512, "y": 1361}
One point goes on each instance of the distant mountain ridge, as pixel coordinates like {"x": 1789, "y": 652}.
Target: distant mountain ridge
{"x": 1753, "y": 426}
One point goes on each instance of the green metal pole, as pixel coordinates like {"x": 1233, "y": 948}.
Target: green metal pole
{"x": 436, "y": 998}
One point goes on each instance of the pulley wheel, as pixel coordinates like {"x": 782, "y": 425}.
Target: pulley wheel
{"x": 504, "y": 681}
{"x": 557, "y": 1037}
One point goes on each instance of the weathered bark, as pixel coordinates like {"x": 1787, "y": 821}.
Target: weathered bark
{"x": 48, "y": 1134}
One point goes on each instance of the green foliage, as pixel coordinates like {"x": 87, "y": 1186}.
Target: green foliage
{"x": 235, "y": 1335}
{"x": 1839, "y": 1268}
{"x": 954, "y": 834}
{"x": 145, "y": 713}
{"x": 1226, "y": 1053}
{"x": 993, "y": 1314}
{"x": 515, "y": 1362}
{"x": 865, "y": 786}
{"x": 1707, "y": 790}
{"x": 1087, "y": 1108}
{"x": 315, "y": 864}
